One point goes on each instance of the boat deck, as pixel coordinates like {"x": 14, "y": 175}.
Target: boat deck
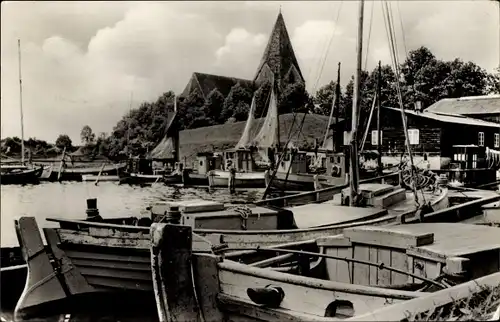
{"x": 315, "y": 215}
{"x": 450, "y": 239}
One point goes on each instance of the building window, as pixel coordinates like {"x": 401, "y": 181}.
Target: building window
{"x": 497, "y": 140}
{"x": 414, "y": 136}
{"x": 480, "y": 138}
{"x": 375, "y": 137}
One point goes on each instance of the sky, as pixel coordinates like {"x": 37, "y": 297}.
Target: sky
{"x": 86, "y": 63}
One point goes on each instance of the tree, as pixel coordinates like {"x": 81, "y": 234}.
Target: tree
{"x": 324, "y": 98}
{"x": 235, "y": 102}
{"x": 293, "y": 98}
{"x": 63, "y": 141}
{"x": 213, "y": 105}
{"x": 190, "y": 109}
{"x": 87, "y": 135}
{"x": 493, "y": 82}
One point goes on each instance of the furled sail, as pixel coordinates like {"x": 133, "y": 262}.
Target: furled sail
{"x": 268, "y": 134}
{"x": 245, "y": 137}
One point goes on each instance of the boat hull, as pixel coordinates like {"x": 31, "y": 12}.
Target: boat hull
{"x": 195, "y": 179}
{"x": 30, "y": 176}
{"x": 219, "y": 178}
{"x": 93, "y": 178}
{"x": 303, "y": 182}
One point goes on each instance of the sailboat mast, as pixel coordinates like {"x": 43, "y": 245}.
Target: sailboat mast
{"x": 21, "y": 100}
{"x": 379, "y": 135}
{"x": 337, "y": 107}
{"x": 354, "y": 171}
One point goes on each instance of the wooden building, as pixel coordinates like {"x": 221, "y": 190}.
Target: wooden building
{"x": 435, "y": 138}
{"x": 486, "y": 108}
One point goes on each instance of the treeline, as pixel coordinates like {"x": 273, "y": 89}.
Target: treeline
{"x": 423, "y": 78}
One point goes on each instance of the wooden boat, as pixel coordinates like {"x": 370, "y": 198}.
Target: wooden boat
{"x": 369, "y": 271}
{"x": 205, "y": 162}
{"x": 139, "y": 178}
{"x": 20, "y": 176}
{"x": 93, "y": 178}
{"x": 219, "y": 178}
{"x": 76, "y": 174}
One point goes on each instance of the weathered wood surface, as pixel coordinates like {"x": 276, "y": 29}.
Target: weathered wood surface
{"x": 73, "y": 280}
{"x": 42, "y": 285}
{"x": 302, "y": 294}
{"x": 173, "y": 279}
{"x": 206, "y": 280}
{"x": 404, "y": 310}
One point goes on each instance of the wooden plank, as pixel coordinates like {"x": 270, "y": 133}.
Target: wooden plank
{"x": 373, "y": 257}
{"x": 386, "y": 237}
{"x": 249, "y": 309}
{"x": 116, "y": 284}
{"x": 400, "y": 311}
{"x": 398, "y": 260}
{"x": 172, "y": 273}
{"x": 384, "y": 276}
{"x": 333, "y": 241}
{"x": 206, "y": 277}
{"x": 331, "y": 264}
{"x": 77, "y": 238}
{"x": 134, "y": 257}
{"x": 74, "y": 281}
{"x": 42, "y": 285}
{"x": 116, "y": 273}
{"x": 344, "y": 269}
{"x": 361, "y": 272}
{"x": 113, "y": 264}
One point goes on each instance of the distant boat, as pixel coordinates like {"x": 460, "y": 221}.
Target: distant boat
{"x": 17, "y": 175}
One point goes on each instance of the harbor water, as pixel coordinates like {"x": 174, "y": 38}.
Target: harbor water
{"x": 68, "y": 200}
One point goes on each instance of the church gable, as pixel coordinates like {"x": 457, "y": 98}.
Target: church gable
{"x": 207, "y": 82}
{"x": 278, "y": 56}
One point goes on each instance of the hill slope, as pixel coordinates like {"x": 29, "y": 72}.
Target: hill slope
{"x": 225, "y": 136}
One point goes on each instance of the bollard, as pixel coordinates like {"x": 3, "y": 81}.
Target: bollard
{"x": 92, "y": 211}
{"x": 173, "y": 215}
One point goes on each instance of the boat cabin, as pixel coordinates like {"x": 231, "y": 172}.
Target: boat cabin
{"x": 206, "y": 161}
{"x": 297, "y": 164}
{"x": 335, "y": 165}
{"x": 240, "y": 159}
{"x": 468, "y": 156}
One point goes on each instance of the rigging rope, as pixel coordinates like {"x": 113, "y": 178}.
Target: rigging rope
{"x": 369, "y": 36}
{"x": 327, "y": 49}
{"x": 394, "y": 58}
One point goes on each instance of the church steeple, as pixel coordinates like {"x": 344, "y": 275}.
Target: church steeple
{"x": 279, "y": 58}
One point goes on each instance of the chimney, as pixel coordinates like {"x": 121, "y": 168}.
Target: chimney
{"x": 418, "y": 106}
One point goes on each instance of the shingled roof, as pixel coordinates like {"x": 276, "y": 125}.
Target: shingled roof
{"x": 207, "y": 82}
{"x": 279, "y": 55}
{"x": 467, "y": 105}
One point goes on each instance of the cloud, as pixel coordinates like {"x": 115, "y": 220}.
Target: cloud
{"x": 239, "y": 46}
{"x": 81, "y": 61}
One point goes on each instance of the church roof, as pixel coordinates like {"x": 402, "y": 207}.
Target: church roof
{"x": 207, "y": 82}
{"x": 279, "y": 54}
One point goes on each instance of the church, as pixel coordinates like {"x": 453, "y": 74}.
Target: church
{"x": 278, "y": 59}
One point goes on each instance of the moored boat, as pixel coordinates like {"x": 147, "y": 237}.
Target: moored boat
{"x": 360, "y": 272}
{"x": 21, "y": 176}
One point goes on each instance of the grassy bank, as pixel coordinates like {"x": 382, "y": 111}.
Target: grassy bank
{"x": 220, "y": 137}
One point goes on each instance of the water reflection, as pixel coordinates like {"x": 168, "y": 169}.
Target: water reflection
{"x": 67, "y": 200}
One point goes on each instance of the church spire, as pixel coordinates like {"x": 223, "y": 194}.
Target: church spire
{"x": 279, "y": 58}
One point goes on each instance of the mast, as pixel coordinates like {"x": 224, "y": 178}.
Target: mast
{"x": 337, "y": 108}
{"x": 21, "y": 100}
{"x": 379, "y": 135}
{"x": 354, "y": 171}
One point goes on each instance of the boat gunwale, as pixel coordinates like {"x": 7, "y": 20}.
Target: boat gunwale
{"x": 389, "y": 218}
{"x": 234, "y": 267}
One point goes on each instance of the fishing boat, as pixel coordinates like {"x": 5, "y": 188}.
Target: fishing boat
{"x": 205, "y": 162}
{"x": 352, "y": 274}
{"x": 18, "y": 175}
{"x": 94, "y": 178}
